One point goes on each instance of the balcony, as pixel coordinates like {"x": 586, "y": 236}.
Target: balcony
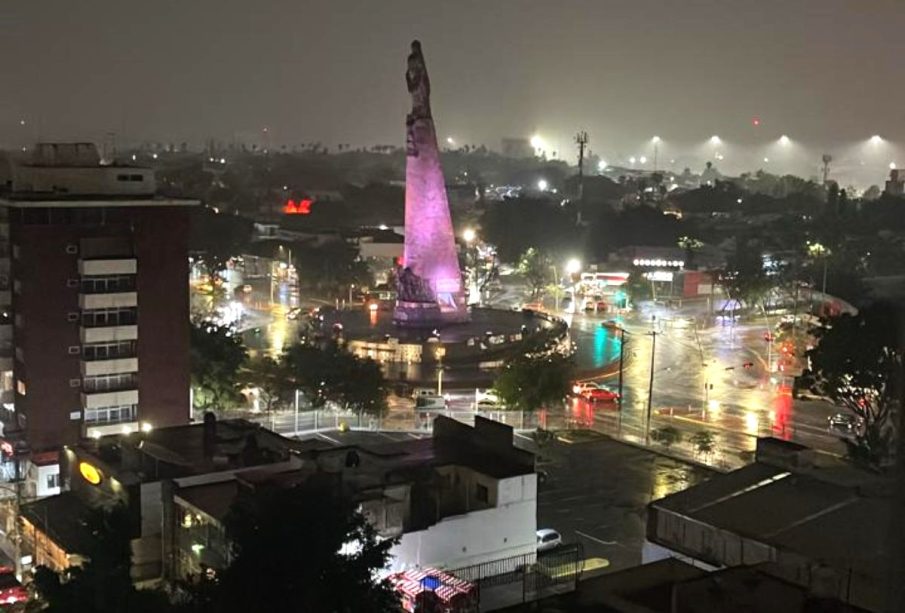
{"x": 118, "y": 366}
{"x": 107, "y": 334}
{"x": 113, "y": 300}
{"x": 100, "y": 400}
{"x": 105, "y": 267}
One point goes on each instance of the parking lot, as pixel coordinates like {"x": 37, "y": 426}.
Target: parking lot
{"x": 596, "y": 490}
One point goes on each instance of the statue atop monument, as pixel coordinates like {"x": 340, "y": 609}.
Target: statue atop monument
{"x": 429, "y": 286}
{"x": 419, "y": 84}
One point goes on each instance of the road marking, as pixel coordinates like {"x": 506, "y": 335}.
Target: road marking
{"x": 332, "y": 440}
{"x": 596, "y": 540}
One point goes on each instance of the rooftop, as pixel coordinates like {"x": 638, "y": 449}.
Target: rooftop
{"x": 63, "y": 518}
{"x": 813, "y": 513}
{"x": 180, "y": 451}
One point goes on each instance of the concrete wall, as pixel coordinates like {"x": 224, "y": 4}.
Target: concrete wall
{"x": 479, "y": 536}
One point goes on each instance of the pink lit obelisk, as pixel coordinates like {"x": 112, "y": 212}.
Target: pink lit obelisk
{"x": 429, "y": 285}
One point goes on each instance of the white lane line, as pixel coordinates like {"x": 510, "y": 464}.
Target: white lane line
{"x": 596, "y": 540}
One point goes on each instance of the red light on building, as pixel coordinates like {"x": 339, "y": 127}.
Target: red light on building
{"x": 303, "y": 207}
{"x": 755, "y": 121}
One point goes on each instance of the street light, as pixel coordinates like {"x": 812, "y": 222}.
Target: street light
{"x": 573, "y": 266}
{"x": 876, "y": 139}
{"x": 784, "y": 140}
{"x": 601, "y": 165}
{"x": 542, "y": 185}
{"x": 469, "y": 235}
{"x": 715, "y": 140}
{"x": 537, "y": 142}
{"x": 450, "y": 141}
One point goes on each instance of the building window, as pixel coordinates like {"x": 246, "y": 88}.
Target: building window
{"x": 74, "y": 349}
{"x": 482, "y": 494}
{"x": 72, "y": 249}
{"x": 111, "y": 415}
{"x": 108, "y": 383}
{"x": 53, "y": 481}
{"x": 20, "y": 387}
{"x": 72, "y": 282}
{"x": 110, "y": 317}
{"x": 109, "y": 351}
{"x": 108, "y": 285}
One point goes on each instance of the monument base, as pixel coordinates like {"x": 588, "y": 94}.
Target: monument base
{"x": 426, "y": 314}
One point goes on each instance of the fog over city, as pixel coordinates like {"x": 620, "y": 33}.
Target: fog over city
{"x": 827, "y": 74}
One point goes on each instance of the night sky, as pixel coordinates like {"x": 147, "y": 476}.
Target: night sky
{"x": 824, "y": 72}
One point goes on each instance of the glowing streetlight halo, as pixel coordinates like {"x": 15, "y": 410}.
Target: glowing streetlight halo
{"x": 573, "y": 266}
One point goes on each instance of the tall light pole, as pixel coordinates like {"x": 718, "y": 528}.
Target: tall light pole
{"x": 581, "y": 139}
{"x": 556, "y": 284}
{"x": 573, "y": 267}
{"x": 471, "y": 264}
{"x": 656, "y": 141}
{"x": 650, "y": 386}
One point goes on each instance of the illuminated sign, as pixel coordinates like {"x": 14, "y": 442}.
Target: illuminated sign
{"x": 91, "y": 474}
{"x": 302, "y": 207}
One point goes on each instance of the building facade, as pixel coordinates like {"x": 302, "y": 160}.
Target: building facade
{"x": 97, "y": 306}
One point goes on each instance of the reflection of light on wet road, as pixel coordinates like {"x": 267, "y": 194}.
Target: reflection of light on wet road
{"x": 752, "y": 421}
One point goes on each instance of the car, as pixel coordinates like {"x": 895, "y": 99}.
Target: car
{"x": 293, "y": 313}
{"x": 843, "y": 422}
{"x": 430, "y": 403}
{"x": 548, "y": 539}
{"x": 489, "y": 404}
{"x": 593, "y": 392}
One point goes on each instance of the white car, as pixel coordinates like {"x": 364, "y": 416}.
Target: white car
{"x": 548, "y": 539}
{"x": 489, "y": 404}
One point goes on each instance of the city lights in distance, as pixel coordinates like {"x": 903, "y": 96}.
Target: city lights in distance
{"x": 632, "y": 160}
{"x": 784, "y": 140}
{"x": 643, "y": 160}
{"x": 755, "y": 121}
{"x": 542, "y": 185}
{"x": 601, "y": 165}
{"x": 450, "y": 141}
{"x": 892, "y": 165}
{"x": 715, "y": 140}
{"x": 469, "y": 234}
{"x": 766, "y": 160}
{"x": 876, "y": 139}
{"x": 537, "y": 142}
{"x": 655, "y": 140}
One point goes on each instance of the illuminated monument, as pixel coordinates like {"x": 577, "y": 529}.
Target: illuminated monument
{"x": 429, "y": 286}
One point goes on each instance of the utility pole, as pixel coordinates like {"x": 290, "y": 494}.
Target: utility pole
{"x": 582, "y": 140}
{"x": 650, "y": 387}
{"x": 621, "y": 363}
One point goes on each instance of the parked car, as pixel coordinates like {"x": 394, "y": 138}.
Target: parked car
{"x": 548, "y": 539}
{"x": 430, "y": 403}
{"x": 489, "y": 404}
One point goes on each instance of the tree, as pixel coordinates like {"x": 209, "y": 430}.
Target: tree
{"x": 666, "y": 436}
{"x": 330, "y": 269}
{"x": 704, "y": 442}
{"x": 217, "y": 354}
{"x": 534, "y": 380}
{"x": 332, "y": 374}
{"x": 744, "y": 278}
{"x": 857, "y": 363}
{"x": 103, "y": 584}
{"x": 535, "y": 267}
{"x": 302, "y": 548}
{"x": 217, "y": 238}
{"x": 269, "y": 377}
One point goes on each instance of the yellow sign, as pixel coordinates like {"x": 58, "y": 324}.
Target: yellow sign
{"x": 91, "y": 474}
